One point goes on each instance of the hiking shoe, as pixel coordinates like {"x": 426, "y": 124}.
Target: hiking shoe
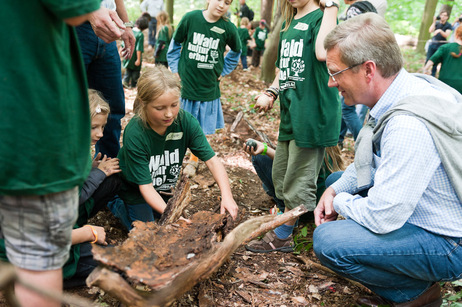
{"x": 271, "y": 243}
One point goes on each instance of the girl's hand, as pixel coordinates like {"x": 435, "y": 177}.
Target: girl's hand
{"x": 229, "y": 205}
{"x": 109, "y": 166}
{"x": 137, "y": 62}
{"x": 263, "y": 103}
{"x": 100, "y": 233}
{"x": 251, "y": 151}
{"x": 96, "y": 161}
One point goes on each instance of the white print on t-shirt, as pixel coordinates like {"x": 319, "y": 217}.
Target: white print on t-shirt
{"x": 199, "y": 50}
{"x": 262, "y": 35}
{"x": 159, "y": 163}
{"x": 301, "y": 26}
{"x": 292, "y": 50}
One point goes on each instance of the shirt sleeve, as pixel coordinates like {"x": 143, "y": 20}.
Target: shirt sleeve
{"x": 409, "y": 160}
{"x": 231, "y": 60}
{"x": 68, "y": 9}
{"x": 91, "y": 184}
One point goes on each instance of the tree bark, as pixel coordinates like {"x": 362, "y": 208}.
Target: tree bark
{"x": 427, "y": 19}
{"x": 266, "y": 11}
{"x": 169, "y": 9}
{"x": 448, "y": 8}
{"x": 268, "y": 66}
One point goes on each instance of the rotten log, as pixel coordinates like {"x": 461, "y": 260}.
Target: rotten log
{"x": 180, "y": 274}
{"x": 177, "y": 203}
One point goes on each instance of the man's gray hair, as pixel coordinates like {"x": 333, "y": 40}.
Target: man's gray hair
{"x": 366, "y": 37}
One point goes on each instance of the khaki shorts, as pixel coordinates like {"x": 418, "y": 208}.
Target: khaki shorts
{"x": 295, "y": 173}
{"x": 37, "y": 229}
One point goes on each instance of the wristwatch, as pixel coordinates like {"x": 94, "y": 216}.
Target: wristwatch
{"x": 330, "y": 3}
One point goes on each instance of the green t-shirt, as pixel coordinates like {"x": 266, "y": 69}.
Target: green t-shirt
{"x": 451, "y": 67}
{"x": 260, "y": 35}
{"x": 310, "y": 110}
{"x": 44, "y": 117}
{"x": 147, "y": 157}
{"x": 139, "y": 46}
{"x": 164, "y": 37}
{"x": 201, "y": 60}
{"x": 245, "y": 37}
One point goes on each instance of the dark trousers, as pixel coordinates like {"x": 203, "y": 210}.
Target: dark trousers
{"x": 102, "y": 62}
{"x": 256, "y": 55}
{"x": 131, "y": 77}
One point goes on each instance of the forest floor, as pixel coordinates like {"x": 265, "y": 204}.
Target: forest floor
{"x": 246, "y": 279}
{"x": 249, "y": 279}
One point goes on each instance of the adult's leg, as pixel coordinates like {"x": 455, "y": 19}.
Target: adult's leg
{"x": 104, "y": 75}
{"x": 244, "y": 61}
{"x": 351, "y": 118}
{"x": 152, "y": 31}
{"x": 398, "y": 266}
{"x": 263, "y": 166}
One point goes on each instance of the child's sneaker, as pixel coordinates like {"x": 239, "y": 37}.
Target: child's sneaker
{"x": 270, "y": 243}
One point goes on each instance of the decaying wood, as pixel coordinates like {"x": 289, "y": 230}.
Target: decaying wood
{"x": 8, "y": 278}
{"x": 179, "y": 201}
{"x": 112, "y": 282}
{"x": 318, "y": 266}
{"x": 260, "y": 134}
{"x": 236, "y": 121}
{"x": 170, "y": 279}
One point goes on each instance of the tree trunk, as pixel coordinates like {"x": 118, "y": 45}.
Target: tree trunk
{"x": 266, "y": 11}
{"x": 169, "y": 9}
{"x": 268, "y": 66}
{"x": 427, "y": 19}
{"x": 448, "y": 7}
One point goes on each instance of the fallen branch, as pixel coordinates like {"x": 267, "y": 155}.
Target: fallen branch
{"x": 236, "y": 121}
{"x": 260, "y": 134}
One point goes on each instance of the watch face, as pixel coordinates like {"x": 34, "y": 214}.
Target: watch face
{"x": 329, "y": 3}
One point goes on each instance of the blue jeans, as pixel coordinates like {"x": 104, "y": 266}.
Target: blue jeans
{"x": 102, "y": 63}
{"x": 398, "y": 266}
{"x": 244, "y": 61}
{"x": 350, "y": 121}
{"x": 264, "y": 166}
{"x": 152, "y": 31}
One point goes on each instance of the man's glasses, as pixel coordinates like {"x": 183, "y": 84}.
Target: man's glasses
{"x": 343, "y": 70}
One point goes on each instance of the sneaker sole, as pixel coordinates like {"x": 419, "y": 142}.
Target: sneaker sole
{"x": 285, "y": 249}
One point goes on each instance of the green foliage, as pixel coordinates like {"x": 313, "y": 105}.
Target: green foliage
{"x": 303, "y": 241}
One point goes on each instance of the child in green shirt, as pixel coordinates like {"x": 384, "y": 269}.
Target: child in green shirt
{"x": 133, "y": 65}
{"x": 164, "y": 35}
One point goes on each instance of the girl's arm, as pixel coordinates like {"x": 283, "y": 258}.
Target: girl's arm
{"x": 153, "y": 198}
{"x": 219, "y": 173}
{"x": 173, "y": 56}
{"x": 85, "y": 234}
{"x": 329, "y": 22}
{"x": 231, "y": 60}
{"x": 263, "y": 102}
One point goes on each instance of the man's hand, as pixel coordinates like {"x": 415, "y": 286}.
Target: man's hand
{"x": 325, "y": 211}
{"x": 106, "y": 24}
{"x": 129, "y": 43}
